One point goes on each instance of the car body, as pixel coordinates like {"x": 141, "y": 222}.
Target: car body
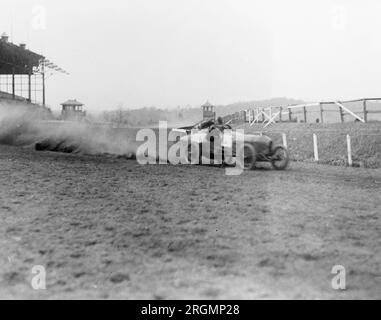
{"x": 254, "y": 147}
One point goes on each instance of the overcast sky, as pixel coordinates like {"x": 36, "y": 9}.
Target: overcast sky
{"x": 177, "y": 52}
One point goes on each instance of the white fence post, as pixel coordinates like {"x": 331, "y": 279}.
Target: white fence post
{"x": 316, "y": 153}
{"x": 284, "y": 138}
{"x": 349, "y": 147}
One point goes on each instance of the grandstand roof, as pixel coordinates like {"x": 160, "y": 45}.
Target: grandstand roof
{"x": 17, "y": 59}
{"x": 207, "y": 104}
{"x": 72, "y": 102}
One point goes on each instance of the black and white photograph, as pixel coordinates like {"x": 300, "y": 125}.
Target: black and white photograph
{"x": 212, "y": 151}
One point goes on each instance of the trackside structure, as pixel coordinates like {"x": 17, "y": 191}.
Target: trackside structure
{"x": 23, "y": 72}
{"x": 72, "y": 110}
{"x": 208, "y": 111}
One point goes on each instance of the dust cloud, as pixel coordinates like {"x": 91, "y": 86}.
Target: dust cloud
{"x": 35, "y": 127}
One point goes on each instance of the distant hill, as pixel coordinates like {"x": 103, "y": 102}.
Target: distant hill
{"x": 183, "y": 116}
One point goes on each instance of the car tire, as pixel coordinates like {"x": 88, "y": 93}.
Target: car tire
{"x": 280, "y": 163}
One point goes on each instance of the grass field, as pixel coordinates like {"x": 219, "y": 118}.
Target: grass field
{"x": 332, "y": 145}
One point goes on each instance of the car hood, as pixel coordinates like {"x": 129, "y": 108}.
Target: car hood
{"x": 199, "y": 136}
{"x": 257, "y": 138}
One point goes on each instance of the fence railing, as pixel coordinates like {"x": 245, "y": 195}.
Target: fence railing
{"x": 272, "y": 114}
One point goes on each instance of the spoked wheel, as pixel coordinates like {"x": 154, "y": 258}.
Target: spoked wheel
{"x": 280, "y": 158}
{"x": 249, "y": 156}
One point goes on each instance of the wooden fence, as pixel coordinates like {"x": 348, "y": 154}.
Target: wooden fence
{"x": 272, "y": 114}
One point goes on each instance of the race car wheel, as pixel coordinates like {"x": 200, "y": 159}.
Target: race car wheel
{"x": 249, "y": 156}
{"x": 280, "y": 158}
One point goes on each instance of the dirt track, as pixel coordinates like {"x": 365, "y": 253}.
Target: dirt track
{"x": 110, "y": 228}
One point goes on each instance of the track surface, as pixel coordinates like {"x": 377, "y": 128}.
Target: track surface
{"x": 110, "y": 228}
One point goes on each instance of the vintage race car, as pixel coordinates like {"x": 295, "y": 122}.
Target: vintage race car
{"x": 254, "y": 147}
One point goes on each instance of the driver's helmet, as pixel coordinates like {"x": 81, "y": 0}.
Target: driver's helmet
{"x": 220, "y": 121}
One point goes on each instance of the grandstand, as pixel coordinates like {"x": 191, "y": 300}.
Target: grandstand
{"x": 22, "y": 73}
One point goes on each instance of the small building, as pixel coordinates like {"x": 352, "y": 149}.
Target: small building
{"x": 208, "y": 111}
{"x": 72, "y": 110}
